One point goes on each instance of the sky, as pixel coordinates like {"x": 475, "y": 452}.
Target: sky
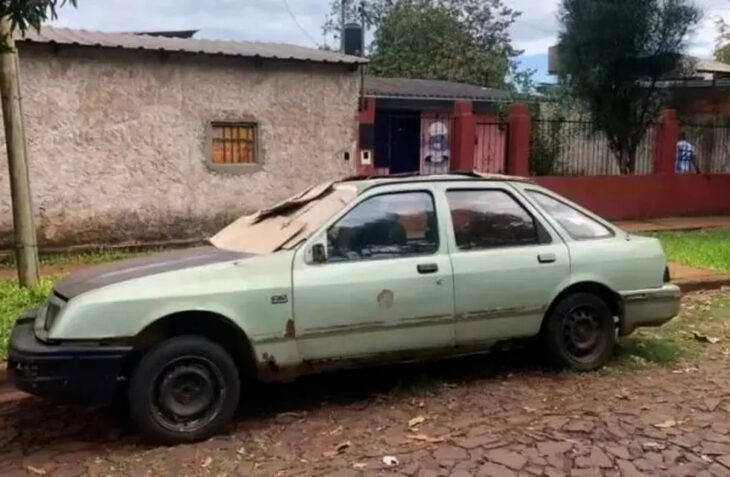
{"x": 299, "y": 22}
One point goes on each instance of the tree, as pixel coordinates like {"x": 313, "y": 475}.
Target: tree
{"x": 613, "y": 53}
{"x": 417, "y": 40}
{"x": 21, "y": 15}
{"x": 722, "y": 44}
{"x": 462, "y": 40}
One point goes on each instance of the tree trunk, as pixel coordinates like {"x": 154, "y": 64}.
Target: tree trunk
{"x": 26, "y": 246}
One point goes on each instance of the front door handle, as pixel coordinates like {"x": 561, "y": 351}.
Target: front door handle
{"x": 547, "y": 258}
{"x": 428, "y": 268}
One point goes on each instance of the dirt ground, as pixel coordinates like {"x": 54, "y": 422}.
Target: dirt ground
{"x": 497, "y": 415}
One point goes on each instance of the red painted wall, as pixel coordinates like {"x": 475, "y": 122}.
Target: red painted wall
{"x": 643, "y": 197}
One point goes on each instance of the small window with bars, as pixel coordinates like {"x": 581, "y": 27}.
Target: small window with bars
{"x": 234, "y": 144}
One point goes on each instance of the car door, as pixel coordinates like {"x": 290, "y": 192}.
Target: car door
{"x": 386, "y": 285}
{"x": 507, "y": 264}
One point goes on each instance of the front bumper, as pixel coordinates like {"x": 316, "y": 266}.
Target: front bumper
{"x": 65, "y": 372}
{"x": 652, "y": 307}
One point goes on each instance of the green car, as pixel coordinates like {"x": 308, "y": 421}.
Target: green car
{"x": 352, "y": 273}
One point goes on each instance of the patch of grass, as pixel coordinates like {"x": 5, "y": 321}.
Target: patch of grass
{"x": 89, "y": 257}
{"x": 675, "y": 341}
{"x": 703, "y": 248}
{"x": 16, "y": 300}
{"x": 636, "y": 351}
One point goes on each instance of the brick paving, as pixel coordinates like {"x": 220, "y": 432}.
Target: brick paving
{"x": 500, "y": 415}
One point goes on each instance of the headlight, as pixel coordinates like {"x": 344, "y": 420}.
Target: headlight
{"x": 52, "y": 311}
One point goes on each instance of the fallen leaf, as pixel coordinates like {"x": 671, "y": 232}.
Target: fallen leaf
{"x": 359, "y": 465}
{"x": 652, "y": 446}
{"x": 339, "y": 449}
{"x": 241, "y": 450}
{"x": 425, "y": 438}
{"x": 36, "y": 470}
{"x": 416, "y": 421}
{"x": 705, "y": 338}
{"x": 336, "y": 431}
{"x": 285, "y": 415}
{"x": 208, "y": 460}
{"x": 390, "y": 461}
{"x": 666, "y": 424}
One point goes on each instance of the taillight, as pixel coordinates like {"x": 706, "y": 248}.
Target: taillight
{"x": 667, "y": 277}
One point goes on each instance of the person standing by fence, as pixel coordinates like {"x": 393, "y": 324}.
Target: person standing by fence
{"x": 686, "y": 156}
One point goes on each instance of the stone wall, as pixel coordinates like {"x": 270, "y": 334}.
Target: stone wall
{"x": 117, "y": 140}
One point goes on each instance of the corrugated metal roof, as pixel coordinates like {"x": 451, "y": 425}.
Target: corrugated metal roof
{"x": 703, "y": 65}
{"x": 425, "y": 88}
{"x": 276, "y": 51}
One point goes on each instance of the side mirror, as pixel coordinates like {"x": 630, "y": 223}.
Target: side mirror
{"x": 319, "y": 254}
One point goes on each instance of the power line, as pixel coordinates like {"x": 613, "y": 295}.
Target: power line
{"x": 301, "y": 28}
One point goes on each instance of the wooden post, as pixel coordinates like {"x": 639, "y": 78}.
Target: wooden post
{"x": 665, "y": 154}
{"x": 26, "y": 246}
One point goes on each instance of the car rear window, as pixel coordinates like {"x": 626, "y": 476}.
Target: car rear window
{"x": 578, "y": 225}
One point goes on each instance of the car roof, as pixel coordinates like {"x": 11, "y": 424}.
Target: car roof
{"x": 363, "y": 183}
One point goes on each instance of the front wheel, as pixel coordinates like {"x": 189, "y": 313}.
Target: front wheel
{"x": 580, "y": 333}
{"x": 185, "y": 389}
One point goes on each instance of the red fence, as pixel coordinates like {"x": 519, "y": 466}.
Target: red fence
{"x": 646, "y": 197}
{"x": 661, "y": 193}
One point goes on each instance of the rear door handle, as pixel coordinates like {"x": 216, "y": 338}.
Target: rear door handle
{"x": 428, "y": 268}
{"x": 547, "y": 258}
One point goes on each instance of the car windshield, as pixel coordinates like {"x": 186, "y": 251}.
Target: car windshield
{"x": 288, "y": 223}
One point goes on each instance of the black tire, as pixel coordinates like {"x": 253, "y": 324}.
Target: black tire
{"x": 580, "y": 333}
{"x": 185, "y": 389}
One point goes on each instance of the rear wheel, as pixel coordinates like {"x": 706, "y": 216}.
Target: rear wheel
{"x": 580, "y": 333}
{"x": 185, "y": 389}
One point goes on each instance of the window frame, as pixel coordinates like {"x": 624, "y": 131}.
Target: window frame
{"x": 234, "y": 168}
{"x": 543, "y": 235}
{"x": 611, "y": 232}
{"x": 323, "y": 235}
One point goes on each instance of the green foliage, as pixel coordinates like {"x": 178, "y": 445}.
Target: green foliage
{"x": 612, "y": 53}
{"x": 422, "y": 41}
{"x": 16, "y": 300}
{"x": 545, "y": 147}
{"x": 722, "y": 44}
{"x": 27, "y": 14}
{"x": 460, "y": 40}
{"x": 702, "y": 248}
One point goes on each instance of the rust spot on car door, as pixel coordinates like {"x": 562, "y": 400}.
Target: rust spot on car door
{"x": 289, "y": 330}
{"x": 385, "y": 299}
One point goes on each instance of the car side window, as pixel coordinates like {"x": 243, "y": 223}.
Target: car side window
{"x": 485, "y": 219}
{"x": 576, "y": 223}
{"x": 385, "y": 226}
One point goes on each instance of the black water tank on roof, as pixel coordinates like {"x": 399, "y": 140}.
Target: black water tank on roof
{"x": 353, "y": 39}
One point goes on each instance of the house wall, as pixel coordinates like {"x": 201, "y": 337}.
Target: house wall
{"x": 118, "y": 140}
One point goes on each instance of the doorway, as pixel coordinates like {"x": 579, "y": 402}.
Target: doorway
{"x": 398, "y": 141}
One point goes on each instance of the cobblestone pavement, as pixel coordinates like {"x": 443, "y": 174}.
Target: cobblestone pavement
{"x": 498, "y": 415}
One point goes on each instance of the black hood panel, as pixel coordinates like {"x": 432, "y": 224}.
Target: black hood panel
{"x": 108, "y": 274}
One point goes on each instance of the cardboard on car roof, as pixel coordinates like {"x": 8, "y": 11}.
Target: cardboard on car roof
{"x": 285, "y": 224}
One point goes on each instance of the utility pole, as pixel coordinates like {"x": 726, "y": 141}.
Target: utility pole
{"x": 362, "y": 27}
{"x": 26, "y": 246}
{"x": 343, "y": 19}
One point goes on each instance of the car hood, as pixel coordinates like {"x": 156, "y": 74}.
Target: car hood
{"x": 108, "y": 274}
